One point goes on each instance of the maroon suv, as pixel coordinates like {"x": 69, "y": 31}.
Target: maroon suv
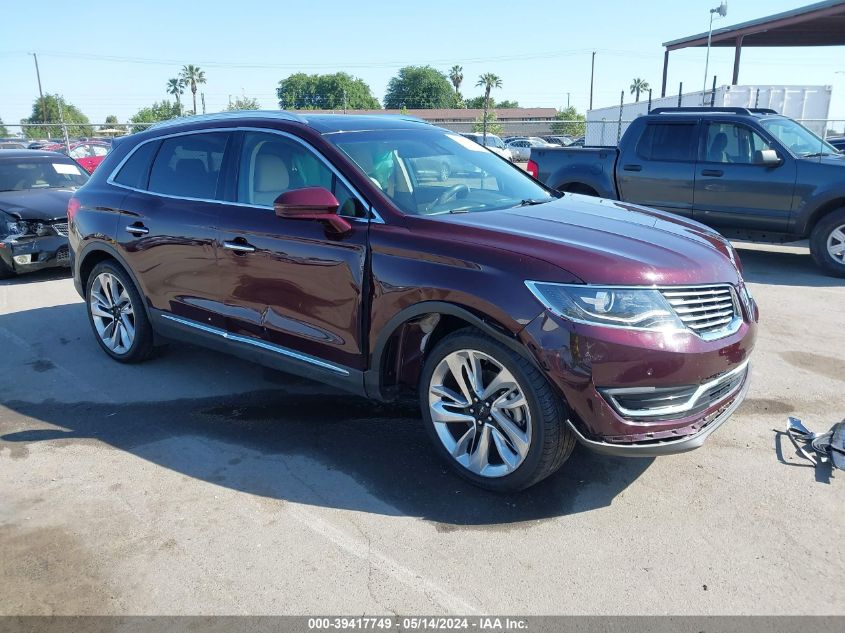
{"x": 327, "y": 246}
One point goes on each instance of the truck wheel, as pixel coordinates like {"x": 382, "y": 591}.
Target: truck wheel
{"x": 827, "y": 243}
{"x": 491, "y": 414}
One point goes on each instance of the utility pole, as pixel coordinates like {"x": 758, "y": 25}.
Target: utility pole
{"x": 592, "y": 77}
{"x": 344, "y": 100}
{"x": 62, "y": 120}
{"x": 567, "y": 100}
{"x": 41, "y": 93}
{"x": 202, "y": 98}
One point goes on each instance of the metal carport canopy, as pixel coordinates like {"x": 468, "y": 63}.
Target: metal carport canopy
{"x": 819, "y": 24}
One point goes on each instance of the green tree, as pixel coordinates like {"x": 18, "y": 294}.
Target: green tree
{"x": 419, "y": 87}
{"x": 48, "y": 111}
{"x": 176, "y": 87}
{"x": 488, "y": 81}
{"x": 243, "y": 103}
{"x": 507, "y": 104}
{"x": 159, "y": 111}
{"x": 112, "y": 123}
{"x": 478, "y": 103}
{"x": 489, "y": 123}
{"x": 456, "y": 76}
{"x": 639, "y": 85}
{"x": 191, "y": 76}
{"x": 573, "y": 123}
{"x": 3, "y": 130}
{"x": 336, "y": 91}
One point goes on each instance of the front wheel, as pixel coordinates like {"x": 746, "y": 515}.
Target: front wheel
{"x": 827, "y": 243}
{"x": 491, "y": 414}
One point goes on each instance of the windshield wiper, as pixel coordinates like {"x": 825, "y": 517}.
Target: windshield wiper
{"x": 530, "y": 202}
{"x": 817, "y": 154}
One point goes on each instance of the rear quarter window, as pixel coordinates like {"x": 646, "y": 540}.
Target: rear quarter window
{"x": 189, "y": 165}
{"x": 136, "y": 171}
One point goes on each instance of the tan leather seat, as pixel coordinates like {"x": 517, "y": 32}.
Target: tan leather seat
{"x": 271, "y": 178}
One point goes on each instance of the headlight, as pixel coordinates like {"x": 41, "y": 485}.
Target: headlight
{"x": 20, "y": 228}
{"x": 614, "y": 306}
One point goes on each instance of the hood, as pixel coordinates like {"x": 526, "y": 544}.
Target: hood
{"x": 608, "y": 242}
{"x": 36, "y": 204}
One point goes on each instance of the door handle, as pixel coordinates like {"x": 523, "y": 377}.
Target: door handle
{"x": 633, "y": 167}
{"x": 239, "y": 246}
{"x": 717, "y": 173}
{"x": 137, "y": 229}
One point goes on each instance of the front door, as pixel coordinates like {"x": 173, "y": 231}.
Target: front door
{"x": 292, "y": 283}
{"x": 734, "y": 191}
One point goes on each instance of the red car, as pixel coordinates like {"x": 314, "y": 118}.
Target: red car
{"x": 88, "y": 154}
{"x": 523, "y": 319}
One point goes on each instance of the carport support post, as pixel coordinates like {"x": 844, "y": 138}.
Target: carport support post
{"x": 621, "y": 107}
{"x": 665, "y": 71}
{"x": 737, "y": 53}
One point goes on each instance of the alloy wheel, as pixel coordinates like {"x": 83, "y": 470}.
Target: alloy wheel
{"x": 480, "y": 413}
{"x": 112, "y": 313}
{"x": 836, "y": 244}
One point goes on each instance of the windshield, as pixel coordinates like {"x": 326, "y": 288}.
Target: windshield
{"x": 47, "y": 173}
{"x": 796, "y": 138}
{"x": 432, "y": 171}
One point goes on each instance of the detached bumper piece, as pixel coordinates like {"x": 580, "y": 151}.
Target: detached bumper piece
{"x": 828, "y": 446}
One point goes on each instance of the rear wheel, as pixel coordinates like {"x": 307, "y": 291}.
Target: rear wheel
{"x": 116, "y": 313}
{"x": 491, "y": 414}
{"x": 827, "y": 243}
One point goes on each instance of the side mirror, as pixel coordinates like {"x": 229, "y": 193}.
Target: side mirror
{"x": 311, "y": 203}
{"x": 767, "y": 157}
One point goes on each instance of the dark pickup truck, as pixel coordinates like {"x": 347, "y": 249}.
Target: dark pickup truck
{"x": 749, "y": 173}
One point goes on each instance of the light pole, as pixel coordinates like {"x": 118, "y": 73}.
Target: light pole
{"x": 722, "y": 10}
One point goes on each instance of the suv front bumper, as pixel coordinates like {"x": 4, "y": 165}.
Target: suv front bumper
{"x": 28, "y": 254}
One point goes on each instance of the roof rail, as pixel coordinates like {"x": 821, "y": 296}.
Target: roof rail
{"x": 709, "y": 109}
{"x": 222, "y": 116}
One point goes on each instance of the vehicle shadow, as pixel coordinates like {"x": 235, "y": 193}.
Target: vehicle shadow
{"x": 783, "y": 268}
{"x": 47, "y": 274}
{"x": 302, "y": 442}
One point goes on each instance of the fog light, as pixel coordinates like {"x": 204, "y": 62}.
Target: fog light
{"x": 22, "y": 259}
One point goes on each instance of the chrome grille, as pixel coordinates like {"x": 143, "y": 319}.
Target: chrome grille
{"x": 60, "y": 228}
{"x": 706, "y": 310}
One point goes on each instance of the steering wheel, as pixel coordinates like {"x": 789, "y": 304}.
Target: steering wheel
{"x": 451, "y": 193}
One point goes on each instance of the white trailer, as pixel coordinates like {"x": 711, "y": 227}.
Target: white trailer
{"x": 808, "y": 104}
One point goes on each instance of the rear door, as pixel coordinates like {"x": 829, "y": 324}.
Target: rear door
{"x": 166, "y": 229}
{"x": 658, "y": 170}
{"x": 732, "y": 191}
{"x": 291, "y": 283}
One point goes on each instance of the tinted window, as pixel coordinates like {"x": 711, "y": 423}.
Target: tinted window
{"x": 189, "y": 165}
{"x": 136, "y": 170}
{"x": 667, "y": 141}
{"x": 271, "y": 164}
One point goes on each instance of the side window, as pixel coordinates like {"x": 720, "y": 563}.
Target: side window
{"x": 271, "y": 164}
{"x": 667, "y": 141}
{"x": 731, "y": 143}
{"x": 135, "y": 171}
{"x": 99, "y": 150}
{"x": 189, "y": 165}
{"x": 79, "y": 152}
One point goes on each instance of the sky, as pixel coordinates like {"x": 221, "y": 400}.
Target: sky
{"x": 115, "y": 58}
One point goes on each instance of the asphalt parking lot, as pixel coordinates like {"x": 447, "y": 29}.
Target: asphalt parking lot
{"x": 199, "y": 484}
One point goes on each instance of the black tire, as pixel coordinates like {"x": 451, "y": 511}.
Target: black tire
{"x": 6, "y": 271}
{"x": 818, "y": 242}
{"x": 142, "y": 345}
{"x": 551, "y": 441}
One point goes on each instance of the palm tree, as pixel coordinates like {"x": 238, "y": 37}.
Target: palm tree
{"x": 176, "y": 87}
{"x": 191, "y": 76}
{"x": 456, "y": 76}
{"x": 489, "y": 81}
{"x": 638, "y": 86}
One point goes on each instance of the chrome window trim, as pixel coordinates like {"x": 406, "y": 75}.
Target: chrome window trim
{"x": 728, "y": 330}
{"x": 376, "y": 217}
{"x": 673, "y": 409}
{"x": 257, "y": 343}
